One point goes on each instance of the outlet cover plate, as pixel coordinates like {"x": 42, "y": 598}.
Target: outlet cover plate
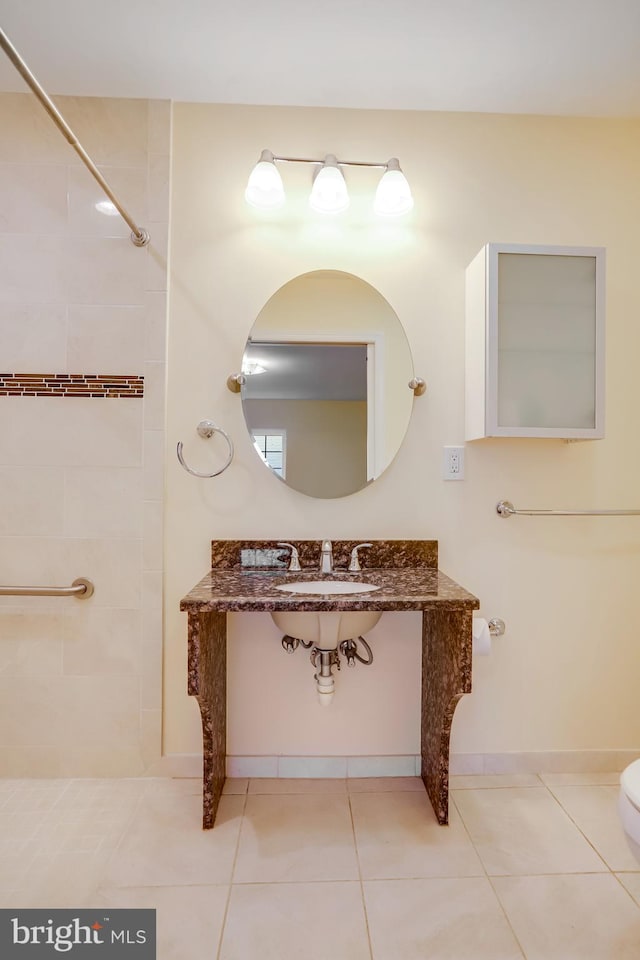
{"x": 453, "y": 463}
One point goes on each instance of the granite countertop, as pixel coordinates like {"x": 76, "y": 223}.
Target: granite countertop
{"x": 406, "y": 588}
{"x": 245, "y": 574}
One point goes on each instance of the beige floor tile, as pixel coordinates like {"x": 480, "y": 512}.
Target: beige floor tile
{"x": 524, "y": 831}
{"x": 492, "y": 780}
{"x": 165, "y": 844}
{"x": 579, "y": 779}
{"x": 20, "y": 826}
{"x": 398, "y": 836}
{"x": 188, "y": 919}
{"x": 236, "y": 785}
{"x": 301, "y": 921}
{"x": 595, "y": 811}
{"x": 90, "y": 817}
{"x": 452, "y": 919}
{"x": 631, "y": 882}
{"x": 109, "y": 808}
{"x": 9, "y": 784}
{"x": 91, "y": 793}
{"x": 38, "y": 796}
{"x": 384, "y": 784}
{"x": 586, "y": 917}
{"x": 174, "y": 785}
{"x": 296, "y": 785}
{"x": 82, "y": 835}
{"x": 14, "y": 865}
{"x": 14, "y": 846}
{"x": 11, "y": 899}
{"x": 66, "y": 879}
{"x": 287, "y": 838}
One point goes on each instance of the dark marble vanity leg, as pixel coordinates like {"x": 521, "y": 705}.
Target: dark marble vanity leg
{"x": 208, "y": 683}
{"x": 446, "y": 676}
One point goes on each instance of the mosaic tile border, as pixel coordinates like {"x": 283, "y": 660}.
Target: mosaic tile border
{"x": 70, "y": 385}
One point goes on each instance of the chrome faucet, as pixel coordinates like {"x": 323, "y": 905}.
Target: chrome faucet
{"x": 354, "y": 562}
{"x": 294, "y": 559}
{"x": 326, "y": 557}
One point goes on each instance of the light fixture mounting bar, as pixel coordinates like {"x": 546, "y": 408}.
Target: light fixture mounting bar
{"x": 341, "y": 163}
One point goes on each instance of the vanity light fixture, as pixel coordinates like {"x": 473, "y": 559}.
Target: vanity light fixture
{"x": 393, "y": 196}
{"x": 329, "y": 193}
{"x": 265, "y": 189}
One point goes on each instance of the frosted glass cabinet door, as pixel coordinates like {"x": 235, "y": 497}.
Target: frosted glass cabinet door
{"x": 535, "y": 342}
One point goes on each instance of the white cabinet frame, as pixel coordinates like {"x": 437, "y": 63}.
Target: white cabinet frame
{"x": 482, "y": 358}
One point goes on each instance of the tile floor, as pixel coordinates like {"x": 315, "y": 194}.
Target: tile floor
{"x": 531, "y": 867}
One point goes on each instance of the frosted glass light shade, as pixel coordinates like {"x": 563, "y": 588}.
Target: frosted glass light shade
{"x": 265, "y": 189}
{"x": 329, "y": 193}
{"x": 393, "y": 196}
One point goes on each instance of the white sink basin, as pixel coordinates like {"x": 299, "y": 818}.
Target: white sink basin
{"x": 328, "y": 628}
{"x": 327, "y": 586}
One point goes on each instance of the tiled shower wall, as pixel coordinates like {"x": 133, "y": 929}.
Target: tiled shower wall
{"x": 81, "y": 469}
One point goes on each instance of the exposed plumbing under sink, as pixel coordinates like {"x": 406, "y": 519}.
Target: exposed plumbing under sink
{"x": 327, "y": 633}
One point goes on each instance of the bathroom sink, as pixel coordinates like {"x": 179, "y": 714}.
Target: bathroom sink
{"x": 327, "y": 586}
{"x": 325, "y": 629}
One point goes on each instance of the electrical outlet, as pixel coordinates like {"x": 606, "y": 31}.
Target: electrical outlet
{"x": 453, "y": 463}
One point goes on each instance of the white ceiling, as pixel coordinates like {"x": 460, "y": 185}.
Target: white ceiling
{"x": 577, "y": 57}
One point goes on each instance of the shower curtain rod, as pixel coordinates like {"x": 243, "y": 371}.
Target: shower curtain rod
{"x": 139, "y": 235}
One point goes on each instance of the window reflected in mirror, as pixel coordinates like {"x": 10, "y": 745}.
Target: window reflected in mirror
{"x": 271, "y": 444}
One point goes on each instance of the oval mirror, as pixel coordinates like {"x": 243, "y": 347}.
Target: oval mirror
{"x": 325, "y": 393}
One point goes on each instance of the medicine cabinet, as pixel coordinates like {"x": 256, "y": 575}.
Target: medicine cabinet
{"x": 535, "y": 342}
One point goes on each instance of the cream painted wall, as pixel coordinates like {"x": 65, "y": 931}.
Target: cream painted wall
{"x": 565, "y": 676}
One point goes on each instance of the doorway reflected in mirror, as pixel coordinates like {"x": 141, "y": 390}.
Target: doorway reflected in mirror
{"x": 326, "y": 368}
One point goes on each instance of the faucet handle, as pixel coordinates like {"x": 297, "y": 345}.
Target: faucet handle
{"x": 294, "y": 562}
{"x": 354, "y": 563}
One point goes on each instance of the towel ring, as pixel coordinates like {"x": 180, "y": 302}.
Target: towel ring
{"x": 206, "y": 429}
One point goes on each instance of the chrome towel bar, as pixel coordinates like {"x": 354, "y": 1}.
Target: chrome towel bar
{"x": 82, "y": 588}
{"x": 506, "y": 509}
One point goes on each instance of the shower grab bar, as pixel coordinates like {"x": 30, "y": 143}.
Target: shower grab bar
{"x": 506, "y": 509}
{"x": 139, "y": 236}
{"x": 81, "y": 588}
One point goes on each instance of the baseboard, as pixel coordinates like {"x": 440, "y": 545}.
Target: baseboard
{"x": 548, "y": 761}
{"x": 323, "y": 767}
{"x": 544, "y": 761}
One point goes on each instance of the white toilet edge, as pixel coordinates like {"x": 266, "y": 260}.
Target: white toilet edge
{"x": 630, "y": 819}
{"x": 630, "y": 784}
